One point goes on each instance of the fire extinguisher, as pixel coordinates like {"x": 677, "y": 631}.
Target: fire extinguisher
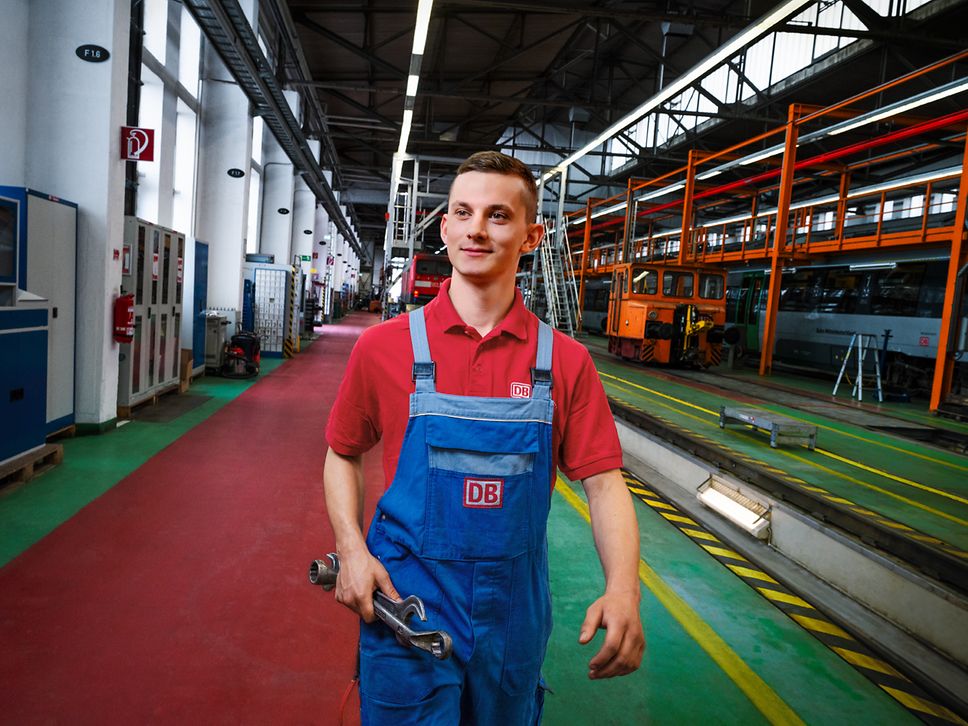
{"x": 124, "y": 318}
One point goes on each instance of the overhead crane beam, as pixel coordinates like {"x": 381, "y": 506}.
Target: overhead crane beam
{"x": 228, "y": 30}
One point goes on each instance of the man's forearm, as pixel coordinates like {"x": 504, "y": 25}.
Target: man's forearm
{"x": 615, "y": 530}
{"x": 343, "y": 486}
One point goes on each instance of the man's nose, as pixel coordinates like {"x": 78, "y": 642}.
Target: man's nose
{"x": 477, "y": 228}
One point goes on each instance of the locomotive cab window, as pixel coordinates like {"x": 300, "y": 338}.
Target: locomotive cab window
{"x": 677, "y": 283}
{"x": 645, "y": 281}
{"x": 711, "y": 287}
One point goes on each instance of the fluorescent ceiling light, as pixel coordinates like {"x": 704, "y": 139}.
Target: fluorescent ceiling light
{"x": 423, "y": 24}
{"x": 751, "y": 515}
{"x": 709, "y": 174}
{"x": 895, "y": 109}
{"x": 405, "y": 131}
{"x": 765, "y": 154}
{"x": 720, "y": 56}
{"x": 609, "y": 210}
{"x": 413, "y": 81}
{"x": 661, "y": 192}
{"x": 873, "y": 266}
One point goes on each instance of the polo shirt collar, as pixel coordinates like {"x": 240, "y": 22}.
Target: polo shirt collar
{"x": 441, "y": 310}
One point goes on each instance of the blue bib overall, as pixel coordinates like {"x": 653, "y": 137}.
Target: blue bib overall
{"x": 463, "y": 526}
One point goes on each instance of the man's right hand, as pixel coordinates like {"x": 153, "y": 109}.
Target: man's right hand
{"x": 360, "y": 573}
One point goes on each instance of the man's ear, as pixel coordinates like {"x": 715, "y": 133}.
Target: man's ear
{"x": 533, "y": 238}
{"x": 443, "y": 228}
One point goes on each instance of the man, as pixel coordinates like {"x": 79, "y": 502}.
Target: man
{"x": 496, "y": 404}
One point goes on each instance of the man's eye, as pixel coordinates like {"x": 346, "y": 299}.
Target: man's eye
{"x": 499, "y": 215}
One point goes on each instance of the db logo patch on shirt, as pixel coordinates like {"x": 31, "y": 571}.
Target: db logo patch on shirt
{"x": 520, "y": 390}
{"x": 484, "y": 493}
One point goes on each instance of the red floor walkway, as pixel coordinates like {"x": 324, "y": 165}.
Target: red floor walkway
{"x": 181, "y": 595}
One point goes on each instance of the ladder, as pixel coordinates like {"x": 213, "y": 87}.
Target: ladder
{"x": 558, "y": 276}
{"x": 864, "y": 343}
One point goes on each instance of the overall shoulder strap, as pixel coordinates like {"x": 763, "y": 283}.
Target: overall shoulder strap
{"x": 424, "y": 369}
{"x": 541, "y": 373}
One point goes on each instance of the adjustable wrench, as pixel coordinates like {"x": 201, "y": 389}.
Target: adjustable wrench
{"x": 396, "y": 615}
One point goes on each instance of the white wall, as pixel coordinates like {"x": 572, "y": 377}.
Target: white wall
{"x": 13, "y": 86}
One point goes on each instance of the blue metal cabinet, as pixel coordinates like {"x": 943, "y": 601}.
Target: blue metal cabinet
{"x": 23, "y": 380}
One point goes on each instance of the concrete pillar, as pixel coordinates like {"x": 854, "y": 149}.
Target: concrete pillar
{"x": 222, "y": 201}
{"x": 13, "y": 85}
{"x": 304, "y": 218}
{"x": 65, "y": 115}
{"x": 278, "y": 186}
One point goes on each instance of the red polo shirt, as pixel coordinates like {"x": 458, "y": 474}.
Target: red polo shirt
{"x": 373, "y": 398}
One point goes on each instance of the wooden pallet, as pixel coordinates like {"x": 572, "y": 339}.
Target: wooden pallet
{"x": 25, "y": 467}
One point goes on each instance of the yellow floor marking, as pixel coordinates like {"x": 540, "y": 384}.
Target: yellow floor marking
{"x": 811, "y": 488}
{"x": 699, "y": 534}
{"x": 655, "y": 504}
{"x": 894, "y": 477}
{"x": 894, "y": 525}
{"x": 846, "y": 477}
{"x": 784, "y": 597}
{"x": 678, "y": 518}
{"x": 637, "y": 490}
{"x": 866, "y": 661}
{"x": 821, "y": 626}
{"x": 764, "y": 698}
{"x": 723, "y": 552}
{"x": 824, "y": 452}
{"x": 659, "y": 394}
{"x": 751, "y": 573}
{"x": 919, "y": 704}
{"x": 883, "y": 444}
{"x": 865, "y": 439}
{"x": 675, "y": 410}
{"x": 874, "y": 487}
{"x": 838, "y": 500}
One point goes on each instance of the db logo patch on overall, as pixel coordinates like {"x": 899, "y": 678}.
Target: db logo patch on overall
{"x": 520, "y": 390}
{"x": 484, "y": 493}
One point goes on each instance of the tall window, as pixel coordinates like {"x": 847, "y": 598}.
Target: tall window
{"x": 169, "y": 105}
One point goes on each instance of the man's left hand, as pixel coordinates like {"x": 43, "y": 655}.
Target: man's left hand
{"x": 621, "y": 653}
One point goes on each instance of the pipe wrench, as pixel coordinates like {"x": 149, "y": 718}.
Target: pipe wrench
{"x": 396, "y": 615}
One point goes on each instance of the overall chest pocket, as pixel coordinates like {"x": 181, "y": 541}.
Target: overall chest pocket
{"x": 480, "y": 490}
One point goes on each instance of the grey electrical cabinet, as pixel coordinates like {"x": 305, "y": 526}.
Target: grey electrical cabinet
{"x": 152, "y": 270}
{"x": 43, "y": 262}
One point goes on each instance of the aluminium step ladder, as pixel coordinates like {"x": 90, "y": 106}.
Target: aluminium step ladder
{"x": 864, "y": 343}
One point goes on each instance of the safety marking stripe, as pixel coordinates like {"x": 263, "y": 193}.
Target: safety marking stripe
{"x": 699, "y": 534}
{"x": 919, "y": 704}
{"x": 723, "y": 552}
{"x": 875, "y": 664}
{"x": 764, "y": 698}
{"x": 751, "y": 573}
{"x": 678, "y": 518}
{"x": 883, "y": 675}
{"x": 657, "y": 505}
{"x": 780, "y": 596}
{"x": 855, "y": 508}
{"x": 820, "y": 626}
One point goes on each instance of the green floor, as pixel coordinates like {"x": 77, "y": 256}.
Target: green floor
{"x": 919, "y": 486}
{"x": 794, "y": 677}
{"x": 94, "y": 464}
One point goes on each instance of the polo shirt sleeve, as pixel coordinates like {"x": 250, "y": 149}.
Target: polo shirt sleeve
{"x": 353, "y": 426}
{"x": 589, "y": 441}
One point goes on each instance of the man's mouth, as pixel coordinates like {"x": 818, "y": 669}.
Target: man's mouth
{"x": 475, "y": 251}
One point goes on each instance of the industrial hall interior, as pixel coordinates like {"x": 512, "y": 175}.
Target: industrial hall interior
{"x": 751, "y": 227}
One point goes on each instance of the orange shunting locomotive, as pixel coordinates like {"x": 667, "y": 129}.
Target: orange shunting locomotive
{"x": 667, "y": 313}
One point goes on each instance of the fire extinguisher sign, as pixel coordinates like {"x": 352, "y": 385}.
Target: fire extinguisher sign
{"x": 137, "y": 144}
{"x": 154, "y": 267}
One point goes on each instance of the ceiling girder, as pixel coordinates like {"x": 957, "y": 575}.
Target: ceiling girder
{"x": 228, "y": 29}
